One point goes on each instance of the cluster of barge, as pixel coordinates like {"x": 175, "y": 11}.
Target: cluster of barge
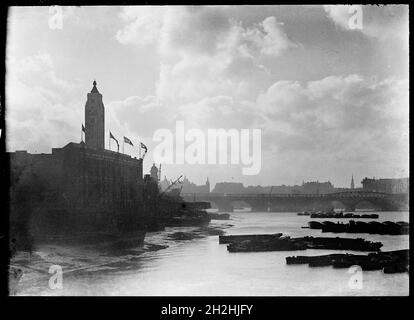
{"x": 219, "y": 216}
{"x": 248, "y": 237}
{"x": 277, "y": 242}
{"x": 389, "y": 262}
{"x": 373, "y": 227}
{"x": 341, "y": 215}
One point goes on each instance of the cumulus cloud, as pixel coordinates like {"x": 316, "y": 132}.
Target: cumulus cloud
{"x": 202, "y": 30}
{"x": 142, "y": 25}
{"x": 340, "y": 119}
{"x": 203, "y": 51}
{"x": 41, "y": 111}
{"x": 339, "y": 116}
{"x": 212, "y": 74}
{"x": 220, "y": 112}
{"x": 138, "y": 116}
{"x": 38, "y": 68}
{"x": 382, "y": 22}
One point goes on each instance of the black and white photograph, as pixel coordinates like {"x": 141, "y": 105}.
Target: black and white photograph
{"x": 206, "y": 151}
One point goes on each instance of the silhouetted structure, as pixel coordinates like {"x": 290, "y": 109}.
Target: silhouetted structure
{"x": 313, "y": 187}
{"x": 80, "y": 185}
{"x": 228, "y": 187}
{"x": 190, "y": 187}
{"x": 95, "y": 120}
{"x": 154, "y": 172}
{"x": 401, "y": 185}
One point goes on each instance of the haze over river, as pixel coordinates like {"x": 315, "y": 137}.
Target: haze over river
{"x": 200, "y": 266}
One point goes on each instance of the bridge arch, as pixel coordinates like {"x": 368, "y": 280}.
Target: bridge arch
{"x": 338, "y": 205}
{"x": 241, "y": 204}
{"x": 366, "y": 204}
{"x": 213, "y": 204}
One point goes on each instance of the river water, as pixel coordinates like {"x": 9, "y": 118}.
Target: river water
{"x": 200, "y": 266}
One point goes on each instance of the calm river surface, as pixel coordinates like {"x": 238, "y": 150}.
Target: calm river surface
{"x": 201, "y": 266}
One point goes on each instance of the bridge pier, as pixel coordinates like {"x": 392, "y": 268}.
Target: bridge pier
{"x": 224, "y": 207}
{"x": 350, "y": 208}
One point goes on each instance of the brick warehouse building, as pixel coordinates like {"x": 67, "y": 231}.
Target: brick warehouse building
{"x": 81, "y": 183}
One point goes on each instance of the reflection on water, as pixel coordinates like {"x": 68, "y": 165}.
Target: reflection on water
{"x": 201, "y": 266}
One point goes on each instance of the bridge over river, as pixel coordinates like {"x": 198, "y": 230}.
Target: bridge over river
{"x": 348, "y": 200}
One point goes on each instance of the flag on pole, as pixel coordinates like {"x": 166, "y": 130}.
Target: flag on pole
{"x": 83, "y": 132}
{"x": 126, "y": 140}
{"x": 143, "y": 146}
{"x": 111, "y": 136}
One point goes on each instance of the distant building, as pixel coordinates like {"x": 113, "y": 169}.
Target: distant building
{"x": 154, "y": 172}
{"x": 229, "y": 187}
{"x": 314, "y": 187}
{"x": 190, "y": 187}
{"x": 400, "y": 185}
{"x": 282, "y": 189}
{"x": 352, "y": 183}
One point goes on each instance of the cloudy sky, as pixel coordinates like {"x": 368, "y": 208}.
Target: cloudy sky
{"x": 330, "y": 100}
